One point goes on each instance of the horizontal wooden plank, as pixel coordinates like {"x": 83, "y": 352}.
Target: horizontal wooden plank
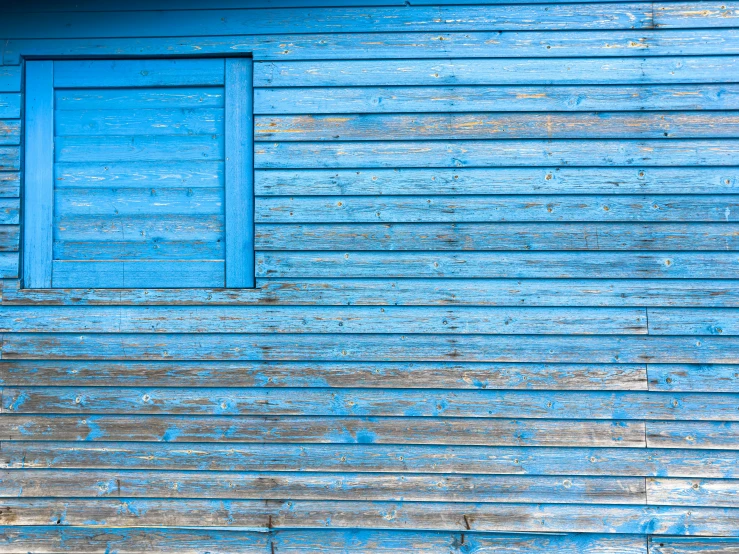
{"x": 390, "y": 319}
{"x": 445, "y": 126}
{"x": 10, "y": 184}
{"x": 9, "y": 238}
{"x": 684, "y": 14}
{"x": 561, "y": 265}
{"x": 545, "y": 180}
{"x": 137, "y": 73}
{"x": 372, "y": 403}
{"x": 531, "y": 71}
{"x": 10, "y": 158}
{"x": 150, "y": 98}
{"x": 693, "y": 321}
{"x": 138, "y": 148}
{"x": 497, "y": 236}
{"x": 692, "y": 492}
{"x": 326, "y": 430}
{"x": 596, "y": 460}
{"x": 189, "y": 173}
{"x": 322, "y": 20}
{"x": 255, "y": 514}
{"x": 698, "y": 378}
{"x": 432, "y": 375}
{"x": 452, "y": 154}
{"x": 329, "y": 486}
{"x": 398, "y": 45}
{"x": 406, "y": 292}
{"x": 693, "y": 434}
{"x": 10, "y": 211}
{"x": 139, "y": 249}
{"x": 372, "y": 347}
{"x": 399, "y": 99}
{"x": 10, "y": 78}
{"x": 142, "y": 228}
{"x": 137, "y": 201}
{"x": 499, "y": 208}
{"x": 80, "y": 540}
{"x": 155, "y": 121}
{"x": 10, "y": 131}
{"x": 138, "y": 274}
{"x": 9, "y": 262}
{"x": 692, "y": 545}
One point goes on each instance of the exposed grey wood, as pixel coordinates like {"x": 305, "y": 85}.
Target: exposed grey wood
{"x": 592, "y": 460}
{"x": 239, "y": 429}
{"x": 344, "y": 486}
{"x": 693, "y": 434}
{"x": 409, "y": 292}
{"x": 497, "y": 236}
{"x": 351, "y": 320}
{"x": 451, "y": 126}
{"x": 447, "y": 375}
{"x": 499, "y": 208}
{"x": 692, "y": 492}
{"x": 681, "y": 377}
{"x": 461, "y": 516}
{"x": 459, "y": 181}
{"x": 693, "y": 545}
{"x": 372, "y": 347}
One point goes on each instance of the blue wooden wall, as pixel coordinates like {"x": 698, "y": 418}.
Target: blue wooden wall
{"x": 497, "y": 306}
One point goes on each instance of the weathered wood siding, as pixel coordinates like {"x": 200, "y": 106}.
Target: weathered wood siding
{"x": 497, "y": 267}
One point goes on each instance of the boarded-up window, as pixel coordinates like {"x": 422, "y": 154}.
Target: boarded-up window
{"x": 138, "y": 173}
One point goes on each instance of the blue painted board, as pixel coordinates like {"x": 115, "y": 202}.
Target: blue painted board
{"x": 39, "y": 175}
{"x": 239, "y": 181}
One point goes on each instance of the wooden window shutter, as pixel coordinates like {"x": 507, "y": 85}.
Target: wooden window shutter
{"x": 138, "y": 174}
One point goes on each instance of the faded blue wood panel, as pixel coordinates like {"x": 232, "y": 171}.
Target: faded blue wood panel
{"x": 362, "y": 444}
{"x": 332, "y": 20}
{"x": 39, "y": 175}
{"x": 239, "y": 182}
{"x": 114, "y": 225}
{"x": 482, "y": 44}
{"x": 533, "y": 71}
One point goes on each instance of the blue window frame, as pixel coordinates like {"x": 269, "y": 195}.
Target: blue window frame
{"x": 138, "y": 174}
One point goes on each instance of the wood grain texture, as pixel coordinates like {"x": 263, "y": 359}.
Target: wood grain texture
{"x": 404, "y": 292}
{"x": 347, "y": 486}
{"x": 692, "y": 492}
{"x": 693, "y": 434}
{"x": 372, "y": 403}
{"x": 466, "y": 126}
{"x": 38, "y": 175}
{"x": 495, "y": 236}
{"x": 458, "y": 154}
{"x": 194, "y": 541}
{"x": 707, "y": 378}
{"x": 499, "y": 208}
{"x": 239, "y": 181}
{"x": 252, "y": 514}
{"x": 327, "y": 430}
{"x": 346, "y": 452}
{"x": 371, "y": 347}
{"x": 444, "y": 375}
{"x": 493, "y": 265}
{"x": 405, "y": 45}
{"x": 480, "y": 98}
{"x": 350, "y": 320}
{"x": 686, "y": 545}
{"x": 533, "y": 71}
{"x": 336, "y": 19}
{"x": 505, "y": 180}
